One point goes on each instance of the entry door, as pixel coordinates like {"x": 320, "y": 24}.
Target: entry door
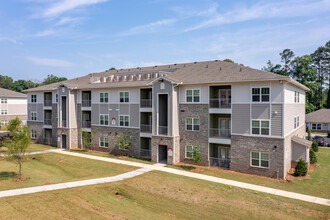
{"x": 224, "y": 126}
{"x": 162, "y": 157}
{"x": 63, "y": 141}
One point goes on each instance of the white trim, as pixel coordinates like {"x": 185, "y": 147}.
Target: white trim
{"x": 104, "y": 119}
{"x": 260, "y": 94}
{"x": 129, "y": 122}
{"x": 260, "y": 152}
{"x": 192, "y": 124}
{"x": 104, "y": 142}
{"x": 129, "y": 97}
{"x": 192, "y": 95}
{"x": 260, "y": 128}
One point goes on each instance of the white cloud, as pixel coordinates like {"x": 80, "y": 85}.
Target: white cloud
{"x": 68, "y": 20}
{"x": 148, "y": 28}
{"x": 68, "y": 5}
{"x": 11, "y": 40}
{"x": 45, "y": 33}
{"x": 50, "y": 62}
{"x": 284, "y": 9}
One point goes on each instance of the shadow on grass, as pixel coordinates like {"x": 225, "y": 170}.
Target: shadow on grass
{"x": 7, "y": 175}
{"x": 188, "y": 168}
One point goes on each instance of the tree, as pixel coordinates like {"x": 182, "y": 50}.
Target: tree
{"x": 312, "y": 156}
{"x": 301, "y": 168}
{"x": 196, "y": 156}
{"x": 228, "y": 60}
{"x": 123, "y": 141}
{"x": 315, "y": 146}
{"x": 273, "y": 68}
{"x": 87, "y": 138}
{"x": 6, "y": 82}
{"x": 286, "y": 57}
{"x": 13, "y": 125}
{"x": 18, "y": 145}
{"x": 53, "y": 79}
{"x": 112, "y": 68}
{"x": 21, "y": 85}
{"x": 309, "y": 132}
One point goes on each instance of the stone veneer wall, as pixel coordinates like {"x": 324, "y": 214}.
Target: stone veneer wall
{"x": 111, "y": 132}
{"x": 79, "y": 115}
{"x": 241, "y": 147}
{"x": 193, "y": 138}
{"x": 38, "y": 126}
{"x": 54, "y": 125}
{"x": 161, "y": 140}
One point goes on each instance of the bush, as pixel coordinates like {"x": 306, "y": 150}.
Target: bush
{"x": 309, "y": 134}
{"x": 301, "y": 168}
{"x": 196, "y": 155}
{"x": 312, "y": 156}
{"x": 315, "y": 146}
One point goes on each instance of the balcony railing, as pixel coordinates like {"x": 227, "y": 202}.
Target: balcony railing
{"x": 145, "y": 153}
{"x": 86, "y": 124}
{"x": 220, "y": 103}
{"x": 86, "y": 103}
{"x": 64, "y": 125}
{"x": 220, "y": 162}
{"x": 48, "y": 121}
{"x": 48, "y": 141}
{"x": 146, "y": 103}
{"x": 162, "y": 130}
{"x": 48, "y": 102}
{"x": 220, "y": 133}
{"x": 146, "y": 128}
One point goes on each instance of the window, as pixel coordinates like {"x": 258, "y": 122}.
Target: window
{"x": 296, "y": 97}
{"x": 123, "y": 96}
{"x": 104, "y": 119}
{"x": 33, "y": 134}
{"x": 124, "y": 120}
{"x": 295, "y": 123}
{"x": 34, "y": 98}
{"x": 189, "y": 151}
{"x": 4, "y": 122}
{"x": 260, "y": 127}
{"x": 260, "y": 94}
{"x": 4, "y": 112}
{"x": 56, "y": 98}
{"x": 192, "y": 124}
{"x": 192, "y": 95}
{"x": 104, "y": 97}
{"x": 259, "y": 159}
{"x": 33, "y": 116}
{"x": 3, "y": 101}
{"x": 316, "y": 127}
{"x": 104, "y": 142}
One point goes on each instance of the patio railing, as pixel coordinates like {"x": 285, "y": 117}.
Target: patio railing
{"x": 220, "y": 162}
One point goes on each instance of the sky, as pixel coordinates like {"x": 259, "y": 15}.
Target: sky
{"x": 73, "y": 38}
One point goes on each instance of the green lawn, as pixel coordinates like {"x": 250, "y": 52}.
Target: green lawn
{"x": 317, "y": 185}
{"x": 53, "y": 168}
{"x": 31, "y": 148}
{"x": 158, "y": 195}
{"x": 108, "y": 155}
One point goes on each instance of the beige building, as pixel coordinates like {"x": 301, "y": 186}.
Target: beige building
{"x": 242, "y": 119}
{"x": 12, "y": 105}
{"x": 319, "y": 121}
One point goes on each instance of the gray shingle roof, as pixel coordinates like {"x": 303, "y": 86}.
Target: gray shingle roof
{"x": 6, "y": 93}
{"x": 301, "y": 141}
{"x": 319, "y": 116}
{"x": 187, "y": 73}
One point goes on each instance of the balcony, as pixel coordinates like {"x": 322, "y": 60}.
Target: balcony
{"x": 48, "y": 102}
{"x": 145, "y": 153}
{"x": 220, "y": 162}
{"x": 86, "y": 103}
{"x": 48, "y": 141}
{"x": 220, "y": 133}
{"x": 48, "y": 121}
{"x": 162, "y": 130}
{"x": 86, "y": 124}
{"x": 220, "y": 103}
{"x": 146, "y": 128}
{"x": 145, "y": 103}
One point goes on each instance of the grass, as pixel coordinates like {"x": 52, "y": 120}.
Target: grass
{"x": 53, "y": 168}
{"x": 316, "y": 185}
{"x": 32, "y": 148}
{"x": 158, "y": 195}
{"x": 108, "y": 155}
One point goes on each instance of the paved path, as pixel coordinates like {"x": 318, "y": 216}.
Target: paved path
{"x": 16, "y": 192}
{"x": 33, "y": 153}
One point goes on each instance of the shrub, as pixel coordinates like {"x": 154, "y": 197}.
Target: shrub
{"x": 312, "y": 156}
{"x": 309, "y": 134}
{"x": 315, "y": 146}
{"x": 301, "y": 168}
{"x": 196, "y": 156}
{"x": 123, "y": 141}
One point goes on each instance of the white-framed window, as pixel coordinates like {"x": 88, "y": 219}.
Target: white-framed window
{"x": 295, "y": 122}
{"x": 189, "y": 151}
{"x": 56, "y": 97}
{"x": 4, "y": 101}
{"x": 104, "y": 97}
{"x": 33, "y": 98}
{"x": 296, "y": 97}
{"x": 260, "y": 127}
{"x": 104, "y": 142}
{"x": 261, "y": 94}
{"x": 4, "y": 122}
{"x": 33, "y": 134}
{"x": 4, "y": 112}
{"x": 123, "y": 96}
{"x": 33, "y": 116}
{"x": 316, "y": 126}
{"x": 259, "y": 159}
{"x": 192, "y": 124}
{"x": 193, "y": 95}
{"x": 124, "y": 121}
{"x": 104, "y": 119}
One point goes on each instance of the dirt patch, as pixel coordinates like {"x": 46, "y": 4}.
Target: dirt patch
{"x": 198, "y": 170}
{"x": 291, "y": 177}
{"x": 20, "y": 179}
{"x": 315, "y": 165}
{"x": 123, "y": 157}
{"x": 2, "y": 158}
{"x": 118, "y": 195}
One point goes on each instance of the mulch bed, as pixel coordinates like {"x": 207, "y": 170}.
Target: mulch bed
{"x": 20, "y": 179}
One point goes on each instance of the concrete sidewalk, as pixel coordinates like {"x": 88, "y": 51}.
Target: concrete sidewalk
{"x": 253, "y": 187}
{"x": 37, "y": 152}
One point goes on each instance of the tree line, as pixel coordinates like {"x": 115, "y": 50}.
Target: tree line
{"x": 311, "y": 70}
{"x": 20, "y": 85}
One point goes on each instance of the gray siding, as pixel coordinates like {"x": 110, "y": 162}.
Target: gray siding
{"x": 113, "y": 113}
{"x": 276, "y": 120}
{"x": 260, "y": 111}
{"x": 241, "y": 118}
{"x": 124, "y": 109}
{"x": 95, "y": 114}
{"x": 104, "y": 109}
{"x": 134, "y": 115}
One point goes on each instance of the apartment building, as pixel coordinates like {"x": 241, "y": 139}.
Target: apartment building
{"x": 13, "y": 104}
{"x": 243, "y": 119}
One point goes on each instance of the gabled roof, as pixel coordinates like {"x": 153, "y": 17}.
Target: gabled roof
{"x": 6, "y": 93}
{"x": 319, "y": 116}
{"x": 186, "y": 73}
{"x": 301, "y": 141}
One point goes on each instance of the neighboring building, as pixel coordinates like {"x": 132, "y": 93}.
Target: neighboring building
{"x": 12, "y": 105}
{"x": 319, "y": 121}
{"x": 243, "y": 119}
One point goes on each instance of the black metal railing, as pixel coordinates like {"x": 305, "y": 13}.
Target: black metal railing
{"x": 146, "y": 103}
{"x": 220, "y": 102}
{"x": 48, "y": 102}
{"x": 162, "y": 130}
{"x": 48, "y": 121}
{"x": 146, "y": 128}
{"x": 220, "y": 162}
{"x": 145, "y": 153}
{"x": 220, "y": 133}
{"x": 86, "y": 103}
{"x": 86, "y": 124}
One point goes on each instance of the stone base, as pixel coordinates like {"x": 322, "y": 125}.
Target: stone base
{"x": 166, "y": 141}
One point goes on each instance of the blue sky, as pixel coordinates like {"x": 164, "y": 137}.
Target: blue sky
{"x": 75, "y": 37}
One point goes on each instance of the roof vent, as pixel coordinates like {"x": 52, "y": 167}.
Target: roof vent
{"x": 216, "y": 60}
{"x": 195, "y": 62}
{"x": 220, "y": 68}
{"x": 169, "y": 66}
{"x": 240, "y": 69}
{"x": 175, "y": 64}
{"x": 207, "y": 66}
